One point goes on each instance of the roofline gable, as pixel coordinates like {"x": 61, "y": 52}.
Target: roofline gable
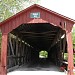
{"x": 41, "y": 7}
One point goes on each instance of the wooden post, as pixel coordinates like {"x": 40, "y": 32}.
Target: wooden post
{"x": 60, "y": 51}
{"x": 12, "y": 49}
{"x": 23, "y": 52}
{"x": 20, "y": 53}
{"x": 4, "y": 54}
{"x": 64, "y": 44}
{"x": 70, "y": 53}
{"x": 17, "y": 63}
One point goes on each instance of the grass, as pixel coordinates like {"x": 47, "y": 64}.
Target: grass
{"x": 66, "y": 57}
{"x": 74, "y": 58}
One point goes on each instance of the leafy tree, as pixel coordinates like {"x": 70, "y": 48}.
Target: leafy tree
{"x": 11, "y": 7}
{"x": 43, "y": 53}
{"x": 73, "y": 36}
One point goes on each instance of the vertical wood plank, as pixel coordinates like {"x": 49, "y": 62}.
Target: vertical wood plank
{"x": 17, "y": 49}
{"x": 70, "y": 53}
{"x": 64, "y": 45}
{"x": 4, "y": 54}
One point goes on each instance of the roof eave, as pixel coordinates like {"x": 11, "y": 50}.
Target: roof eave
{"x": 36, "y": 5}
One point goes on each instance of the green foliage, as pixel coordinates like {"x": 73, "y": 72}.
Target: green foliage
{"x": 7, "y": 8}
{"x": 73, "y": 37}
{"x": 74, "y": 58}
{"x": 11, "y": 7}
{"x": 43, "y": 53}
{"x": 66, "y": 56}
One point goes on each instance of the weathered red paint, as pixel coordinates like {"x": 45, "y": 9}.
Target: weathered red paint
{"x": 46, "y": 16}
{"x": 4, "y": 55}
{"x": 70, "y": 53}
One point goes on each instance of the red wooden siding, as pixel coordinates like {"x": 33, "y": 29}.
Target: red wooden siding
{"x": 45, "y": 17}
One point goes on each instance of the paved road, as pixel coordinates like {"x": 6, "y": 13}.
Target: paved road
{"x": 37, "y": 70}
{"x": 36, "y": 73}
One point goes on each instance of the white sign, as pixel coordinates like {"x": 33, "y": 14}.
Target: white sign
{"x": 35, "y": 15}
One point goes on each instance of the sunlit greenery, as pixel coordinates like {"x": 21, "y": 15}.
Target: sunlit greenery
{"x": 43, "y": 54}
{"x": 66, "y": 57}
{"x": 74, "y": 58}
{"x": 73, "y": 37}
{"x": 11, "y": 7}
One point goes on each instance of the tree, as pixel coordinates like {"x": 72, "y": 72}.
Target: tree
{"x": 73, "y": 36}
{"x": 43, "y": 54}
{"x": 11, "y": 7}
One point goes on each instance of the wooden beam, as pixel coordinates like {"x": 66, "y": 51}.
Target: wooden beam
{"x": 60, "y": 49}
{"x": 20, "y": 51}
{"x": 10, "y": 42}
{"x": 50, "y": 36}
{"x": 56, "y": 39}
{"x": 17, "y": 49}
{"x": 23, "y": 52}
{"x": 34, "y": 33}
{"x": 24, "y": 32}
{"x": 12, "y": 47}
{"x": 48, "y": 32}
{"x": 70, "y": 53}
{"x": 4, "y": 54}
{"x": 8, "y": 48}
{"x": 64, "y": 45}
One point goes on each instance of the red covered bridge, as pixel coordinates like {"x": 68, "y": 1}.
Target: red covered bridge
{"x": 34, "y": 29}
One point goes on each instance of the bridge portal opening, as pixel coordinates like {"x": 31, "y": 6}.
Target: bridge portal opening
{"x": 36, "y": 45}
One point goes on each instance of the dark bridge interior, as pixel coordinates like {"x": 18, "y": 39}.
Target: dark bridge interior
{"x": 26, "y": 41}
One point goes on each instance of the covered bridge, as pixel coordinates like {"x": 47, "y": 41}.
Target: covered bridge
{"x": 34, "y": 29}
